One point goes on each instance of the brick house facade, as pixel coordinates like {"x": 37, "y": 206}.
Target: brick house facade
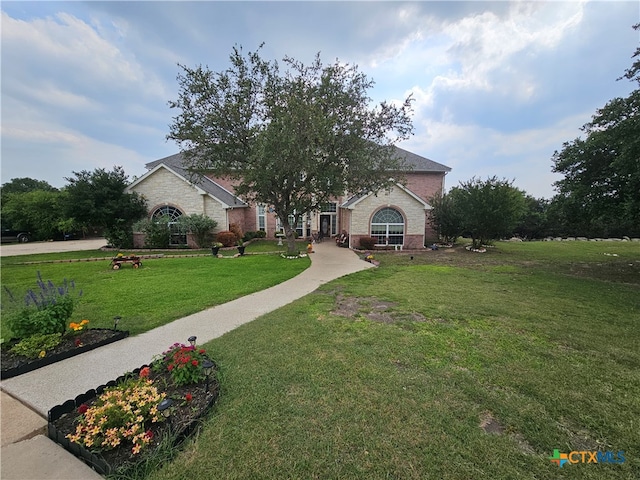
{"x": 398, "y": 217}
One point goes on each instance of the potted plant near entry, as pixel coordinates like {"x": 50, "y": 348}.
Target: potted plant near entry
{"x": 241, "y": 247}
{"x": 215, "y": 248}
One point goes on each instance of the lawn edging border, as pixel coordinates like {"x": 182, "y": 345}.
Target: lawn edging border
{"x": 96, "y": 461}
{"x": 48, "y": 360}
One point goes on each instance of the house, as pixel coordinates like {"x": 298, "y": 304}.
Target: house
{"x": 398, "y": 217}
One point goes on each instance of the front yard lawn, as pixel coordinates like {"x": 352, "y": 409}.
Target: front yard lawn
{"x": 452, "y": 365}
{"x": 159, "y": 292}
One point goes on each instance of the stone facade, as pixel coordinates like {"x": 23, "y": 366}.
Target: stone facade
{"x": 412, "y": 210}
{"x": 164, "y": 188}
{"x": 166, "y": 185}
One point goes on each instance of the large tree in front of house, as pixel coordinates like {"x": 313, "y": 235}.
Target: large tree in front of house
{"x": 97, "y": 199}
{"x": 292, "y": 138}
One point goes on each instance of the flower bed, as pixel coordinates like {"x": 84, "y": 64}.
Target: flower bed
{"x": 71, "y": 345}
{"x": 121, "y": 424}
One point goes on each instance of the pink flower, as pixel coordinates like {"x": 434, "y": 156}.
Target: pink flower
{"x": 149, "y": 434}
{"x": 194, "y": 363}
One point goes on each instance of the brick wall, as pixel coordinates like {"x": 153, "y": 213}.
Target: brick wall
{"x": 425, "y": 185}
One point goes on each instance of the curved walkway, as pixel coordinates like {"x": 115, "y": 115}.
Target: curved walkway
{"x": 42, "y": 389}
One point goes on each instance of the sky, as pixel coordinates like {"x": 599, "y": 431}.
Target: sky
{"x": 498, "y": 87}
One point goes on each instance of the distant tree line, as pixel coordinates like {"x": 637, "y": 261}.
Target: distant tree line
{"x": 600, "y": 192}
{"x": 90, "y": 202}
{"x": 598, "y": 196}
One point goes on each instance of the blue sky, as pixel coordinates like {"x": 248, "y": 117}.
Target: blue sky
{"x": 498, "y": 86}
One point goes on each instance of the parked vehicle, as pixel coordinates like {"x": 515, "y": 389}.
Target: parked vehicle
{"x": 15, "y": 236}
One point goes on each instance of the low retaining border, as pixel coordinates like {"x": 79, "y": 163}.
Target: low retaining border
{"x": 48, "y": 360}
{"x": 95, "y": 460}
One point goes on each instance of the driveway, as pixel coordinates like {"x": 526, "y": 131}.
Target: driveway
{"x": 9, "y": 249}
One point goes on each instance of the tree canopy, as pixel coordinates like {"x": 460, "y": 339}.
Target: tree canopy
{"x": 291, "y": 140}
{"x": 598, "y": 195}
{"x": 98, "y": 199}
{"x": 482, "y": 209}
{"x": 39, "y": 212}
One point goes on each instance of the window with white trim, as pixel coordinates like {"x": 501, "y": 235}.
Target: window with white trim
{"x": 171, "y": 214}
{"x": 262, "y": 218}
{"x": 329, "y": 207}
{"x": 387, "y": 227}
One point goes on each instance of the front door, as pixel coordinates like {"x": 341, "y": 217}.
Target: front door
{"x": 325, "y": 226}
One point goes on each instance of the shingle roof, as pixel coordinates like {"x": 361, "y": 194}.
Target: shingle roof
{"x": 420, "y": 164}
{"x": 417, "y": 163}
{"x": 175, "y": 163}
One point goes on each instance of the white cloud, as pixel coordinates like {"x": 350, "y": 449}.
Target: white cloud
{"x": 477, "y": 151}
{"x": 498, "y": 86}
{"x": 483, "y": 44}
{"x": 80, "y": 152}
{"x": 53, "y": 96}
{"x": 65, "y": 48}
{"x": 475, "y": 52}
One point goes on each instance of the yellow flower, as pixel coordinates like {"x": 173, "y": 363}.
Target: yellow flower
{"x": 42, "y": 354}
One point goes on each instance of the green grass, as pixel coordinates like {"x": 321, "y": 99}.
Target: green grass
{"x": 159, "y": 292}
{"x": 540, "y": 340}
{"x": 519, "y": 336}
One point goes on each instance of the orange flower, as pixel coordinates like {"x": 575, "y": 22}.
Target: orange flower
{"x": 144, "y": 373}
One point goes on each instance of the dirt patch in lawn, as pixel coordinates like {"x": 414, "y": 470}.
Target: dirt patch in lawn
{"x": 490, "y": 425}
{"x": 372, "y": 309}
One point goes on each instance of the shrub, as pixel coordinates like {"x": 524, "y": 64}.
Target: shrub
{"x": 251, "y": 235}
{"x": 226, "y": 238}
{"x": 119, "y": 236}
{"x": 46, "y": 310}
{"x": 367, "y": 243}
{"x": 237, "y": 231}
{"x": 200, "y": 226}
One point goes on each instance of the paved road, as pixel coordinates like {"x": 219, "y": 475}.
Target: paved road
{"x": 9, "y": 249}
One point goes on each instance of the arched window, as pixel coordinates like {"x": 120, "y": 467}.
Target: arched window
{"x": 172, "y": 214}
{"x": 387, "y": 227}
{"x": 167, "y": 211}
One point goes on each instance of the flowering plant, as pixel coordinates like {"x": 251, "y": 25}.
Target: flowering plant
{"x": 45, "y": 310}
{"x": 369, "y": 257}
{"x": 119, "y": 415}
{"x": 183, "y": 362}
{"x": 78, "y": 327}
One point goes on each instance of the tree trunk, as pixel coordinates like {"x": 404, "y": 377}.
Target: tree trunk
{"x": 292, "y": 247}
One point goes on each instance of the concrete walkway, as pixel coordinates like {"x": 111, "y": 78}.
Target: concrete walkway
{"x": 26, "y": 454}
